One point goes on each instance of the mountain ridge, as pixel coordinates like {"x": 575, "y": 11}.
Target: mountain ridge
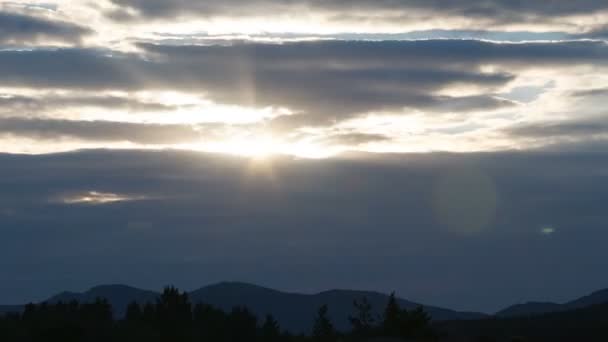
{"x": 295, "y": 311}
{"x": 536, "y": 308}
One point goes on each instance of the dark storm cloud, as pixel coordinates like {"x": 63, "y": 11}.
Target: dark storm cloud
{"x": 363, "y": 221}
{"x": 497, "y": 11}
{"x": 22, "y": 29}
{"x": 101, "y": 131}
{"x": 326, "y": 81}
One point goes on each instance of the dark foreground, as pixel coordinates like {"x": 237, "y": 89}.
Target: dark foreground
{"x": 174, "y": 318}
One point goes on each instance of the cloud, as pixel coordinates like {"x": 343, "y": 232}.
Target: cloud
{"x": 18, "y": 28}
{"x": 154, "y": 134}
{"x": 354, "y": 139}
{"x": 591, "y": 92}
{"x": 573, "y": 128}
{"x": 324, "y": 81}
{"x": 40, "y": 104}
{"x": 76, "y": 68}
{"x": 596, "y": 33}
{"x": 408, "y": 12}
{"x": 98, "y": 198}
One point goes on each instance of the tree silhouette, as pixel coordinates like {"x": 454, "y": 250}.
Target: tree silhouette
{"x": 271, "y": 331}
{"x": 210, "y": 324}
{"x": 391, "y": 323}
{"x": 173, "y": 318}
{"x": 134, "y": 313}
{"x": 363, "y": 320}
{"x": 174, "y": 315}
{"x": 323, "y": 330}
{"x": 242, "y": 325}
{"x": 418, "y": 324}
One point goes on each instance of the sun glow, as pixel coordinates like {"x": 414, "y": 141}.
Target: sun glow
{"x": 266, "y": 147}
{"x": 259, "y": 148}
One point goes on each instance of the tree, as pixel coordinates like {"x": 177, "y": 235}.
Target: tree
{"x": 271, "y": 330}
{"x": 134, "y": 313}
{"x": 418, "y": 324}
{"x": 210, "y": 324}
{"x": 242, "y": 325}
{"x": 323, "y": 330}
{"x": 363, "y": 320}
{"x": 392, "y": 318}
{"x": 174, "y": 314}
{"x": 149, "y": 313}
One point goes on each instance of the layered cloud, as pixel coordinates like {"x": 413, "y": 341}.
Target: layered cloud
{"x": 16, "y": 28}
{"x": 101, "y": 131}
{"x": 319, "y": 84}
{"x": 409, "y": 76}
{"x": 388, "y": 14}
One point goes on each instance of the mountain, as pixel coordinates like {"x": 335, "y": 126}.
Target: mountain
{"x": 597, "y": 297}
{"x": 529, "y": 308}
{"x": 118, "y": 295}
{"x": 294, "y": 311}
{"x": 536, "y": 308}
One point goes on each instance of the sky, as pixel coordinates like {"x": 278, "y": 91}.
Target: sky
{"x": 453, "y": 151}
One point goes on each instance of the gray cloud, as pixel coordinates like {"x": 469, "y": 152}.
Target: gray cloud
{"x": 325, "y": 81}
{"x": 493, "y": 11}
{"x": 581, "y": 128}
{"x": 354, "y": 139}
{"x": 40, "y": 104}
{"x": 591, "y": 92}
{"x": 101, "y": 131}
{"x": 597, "y": 33}
{"x": 22, "y": 29}
{"x": 88, "y": 69}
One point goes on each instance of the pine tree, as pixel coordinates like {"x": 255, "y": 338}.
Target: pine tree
{"x": 323, "y": 330}
{"x": 271, "y": 331}
{"x": 174, "y": 314}
{"x": 134, "y": 313}
{"x": 392, "y": 319}
{"x": 363, "y": 321}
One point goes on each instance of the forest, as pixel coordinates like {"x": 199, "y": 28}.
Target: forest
{"x": 174, "y": 318}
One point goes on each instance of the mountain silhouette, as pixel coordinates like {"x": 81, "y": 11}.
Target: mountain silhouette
{"x": 118, "y": 295}
{"x": 295, "y": 312}
{"x": 536, "y": 308}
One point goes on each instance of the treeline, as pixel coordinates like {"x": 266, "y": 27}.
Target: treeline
{"x": 174, "y": 318}
{"x": 588, "y": 324}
